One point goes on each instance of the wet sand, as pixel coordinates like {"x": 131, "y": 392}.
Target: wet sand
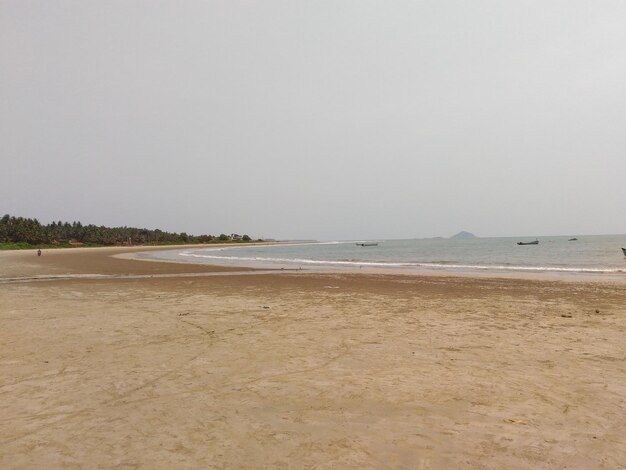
{"x": 341, "y": 371}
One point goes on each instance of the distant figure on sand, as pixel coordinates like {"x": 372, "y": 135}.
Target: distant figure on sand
{"x": 38, "y": 252}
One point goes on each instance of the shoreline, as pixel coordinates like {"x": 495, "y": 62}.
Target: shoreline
{"x": 483, "y": 273}
{"x": 128, "y": 256}
{"x": 126, "y": 262}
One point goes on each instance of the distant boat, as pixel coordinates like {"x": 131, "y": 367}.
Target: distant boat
{"x": 572, "y": 239}
{"x": 536, "y": 242}
{"x": 366, "y": 243}
{"x": 624, "y": 250}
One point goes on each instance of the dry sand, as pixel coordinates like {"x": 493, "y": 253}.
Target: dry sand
{"x": 342, "y": 371}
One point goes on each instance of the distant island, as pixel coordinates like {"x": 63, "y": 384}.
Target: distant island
{"x": 463, "y": 235}
{"x": 20, "y": 232}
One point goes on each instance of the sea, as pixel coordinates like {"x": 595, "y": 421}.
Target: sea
{"x": 588, "y": 255}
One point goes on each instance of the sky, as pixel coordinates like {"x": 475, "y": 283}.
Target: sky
{"x": 316, "y": 119}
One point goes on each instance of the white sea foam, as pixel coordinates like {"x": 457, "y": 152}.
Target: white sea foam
{"x": 390, "y": 264}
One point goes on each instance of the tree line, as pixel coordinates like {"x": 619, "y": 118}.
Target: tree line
{"x": 21, "y": 230}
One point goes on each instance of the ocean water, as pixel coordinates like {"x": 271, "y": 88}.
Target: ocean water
{"x": 598, "y": 254}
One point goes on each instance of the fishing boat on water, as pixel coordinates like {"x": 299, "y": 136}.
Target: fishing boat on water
{"x": 572, "y": 239}
{"x": 535, "y": 242}
{"x": 624, "y": 250}
{"x": 366, "y": 243}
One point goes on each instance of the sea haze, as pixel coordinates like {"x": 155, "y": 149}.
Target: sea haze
{"x": 588, "y": 254}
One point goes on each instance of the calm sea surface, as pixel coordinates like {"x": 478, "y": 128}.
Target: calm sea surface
{"x": 596, "y": 254}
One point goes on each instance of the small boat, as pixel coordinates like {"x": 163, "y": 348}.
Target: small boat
{"x": 572, "y": 239}
{"x": 366, "y": 243}
{"x": 536, "y": 242}
{"x": 624, "y": 250}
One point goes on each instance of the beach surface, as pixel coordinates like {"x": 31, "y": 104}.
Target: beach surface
{"x": 304, "y": 370}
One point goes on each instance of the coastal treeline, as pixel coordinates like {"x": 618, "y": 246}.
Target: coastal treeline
{"x": 24, "y": 231}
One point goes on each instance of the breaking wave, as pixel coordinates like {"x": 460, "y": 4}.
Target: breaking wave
{"x": 440, "y": 265}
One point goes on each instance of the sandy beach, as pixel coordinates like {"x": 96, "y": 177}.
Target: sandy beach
{"x": 304, "y": 370}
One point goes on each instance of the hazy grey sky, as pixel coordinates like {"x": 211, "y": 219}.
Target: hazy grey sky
{"x": 316, "y": 119}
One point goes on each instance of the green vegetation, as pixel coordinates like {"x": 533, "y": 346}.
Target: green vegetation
{"x": 21, "y": 233}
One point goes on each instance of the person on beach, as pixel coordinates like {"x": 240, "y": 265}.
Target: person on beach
{"x": 39, "y": 252}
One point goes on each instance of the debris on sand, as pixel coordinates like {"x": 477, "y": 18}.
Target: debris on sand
{"x": 515, "y": 421}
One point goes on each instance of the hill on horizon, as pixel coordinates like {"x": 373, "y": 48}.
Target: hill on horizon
{"x": 463, "y": 235}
